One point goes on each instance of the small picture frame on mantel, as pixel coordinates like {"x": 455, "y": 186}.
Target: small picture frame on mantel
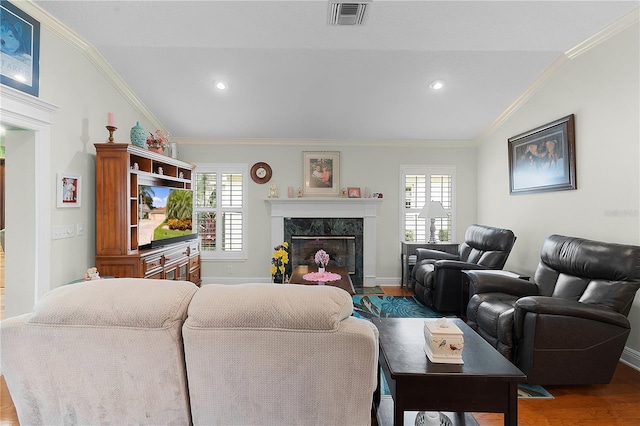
{"x": 353, "y": 192}
{"x": 68, "y": 190}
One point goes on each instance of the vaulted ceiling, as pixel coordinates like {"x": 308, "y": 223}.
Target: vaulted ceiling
{"x": 289, "y": 74}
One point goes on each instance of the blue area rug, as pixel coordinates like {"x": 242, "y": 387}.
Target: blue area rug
{"x": 368, "y": 307}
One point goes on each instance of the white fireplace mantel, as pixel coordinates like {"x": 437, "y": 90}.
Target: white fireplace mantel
{"x": 365, "y": 208}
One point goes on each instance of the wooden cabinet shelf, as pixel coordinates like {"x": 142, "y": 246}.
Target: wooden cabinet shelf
{"x": 120, "y": 169}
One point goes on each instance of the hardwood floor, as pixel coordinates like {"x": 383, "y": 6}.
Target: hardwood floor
{"x": 1, "y": 283}
{"x": 617, "y": 403}
{"x": 8, "y": 415}
{"x": 396, "y": 291}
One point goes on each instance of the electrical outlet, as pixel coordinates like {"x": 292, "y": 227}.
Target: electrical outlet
{"x": 66, "y": 231}
{"x": 229, "y": 269}
{"x": 80, "y": 229}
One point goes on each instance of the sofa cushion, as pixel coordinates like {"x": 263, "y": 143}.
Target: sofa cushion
{"x": 148, "y": 303}
{"x": 269, "y": 306}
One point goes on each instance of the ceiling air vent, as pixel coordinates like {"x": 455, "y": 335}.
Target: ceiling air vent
{"x": 347, "y": 13}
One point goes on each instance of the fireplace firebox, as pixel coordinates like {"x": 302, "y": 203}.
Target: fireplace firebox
{"x": 340, "y": 248}
{"x": 341, "y": 238}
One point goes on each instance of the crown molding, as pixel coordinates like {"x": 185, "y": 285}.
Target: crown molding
{"x": 53, "y": 25}
{"x": 615, "y": 28}
{"x": 540, "y": 82}
{"x": 327, "y": 143}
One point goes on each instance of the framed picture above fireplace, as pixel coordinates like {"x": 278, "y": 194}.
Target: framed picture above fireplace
{"x": 321, "y": 171}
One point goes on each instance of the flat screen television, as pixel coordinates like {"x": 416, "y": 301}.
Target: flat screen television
{"x": 164, "y": 216}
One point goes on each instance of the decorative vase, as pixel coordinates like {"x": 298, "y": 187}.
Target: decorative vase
{"x": 428, "y": 418}
{"x": 158, "y": 150}
{"x": 278, "y": 278}
{"x": 138, "y": 135}
{"x": 320, "y": 270}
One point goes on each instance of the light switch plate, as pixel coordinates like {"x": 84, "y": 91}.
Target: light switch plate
{"x": 66, "y": 231}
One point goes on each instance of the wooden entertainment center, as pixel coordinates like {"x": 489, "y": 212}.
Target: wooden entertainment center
{"x": 120, "y": 168}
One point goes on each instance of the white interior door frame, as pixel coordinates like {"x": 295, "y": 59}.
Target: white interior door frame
{"x": 30, "y": 113}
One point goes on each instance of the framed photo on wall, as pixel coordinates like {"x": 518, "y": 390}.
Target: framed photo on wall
{"x": 68, "y": 190}
{"x": 543, "y": 159}
{"x": 20, "y": 53}
{"x": 321, "y": 171}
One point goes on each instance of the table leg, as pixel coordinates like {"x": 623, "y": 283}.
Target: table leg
{"x": 377, "y": 392}
{"x": 398, "y": 414}
{"x": 511, "y": 416}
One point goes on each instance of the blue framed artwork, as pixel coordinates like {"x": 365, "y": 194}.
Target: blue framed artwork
{"x": 20, "y": 50}
{"x": 543, "y": 159}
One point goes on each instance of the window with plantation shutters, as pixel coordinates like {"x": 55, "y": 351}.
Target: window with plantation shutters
{"x": 220, "y": 208}
{"x": 421, "y": 184}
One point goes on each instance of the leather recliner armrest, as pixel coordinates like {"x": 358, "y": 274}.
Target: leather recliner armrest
{"x": 458, "y": 264}
{"x": 423, "y": 253}
{"x": 484, "y": 281}
{"x": 565, "y": 307}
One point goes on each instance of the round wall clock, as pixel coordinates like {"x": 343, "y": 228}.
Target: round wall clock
{"x": 261, "y": 173}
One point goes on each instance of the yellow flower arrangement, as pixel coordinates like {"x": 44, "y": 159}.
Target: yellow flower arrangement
{"x": 279, "y": 261}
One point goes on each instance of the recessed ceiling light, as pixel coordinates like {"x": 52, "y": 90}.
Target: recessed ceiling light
{"x": 436, "y": 85}
{"x": 220, "y": 85}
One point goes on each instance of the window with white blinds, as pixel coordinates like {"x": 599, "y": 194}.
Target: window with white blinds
{"x": 220, "y": 208}
{"x": 421, "y": 184}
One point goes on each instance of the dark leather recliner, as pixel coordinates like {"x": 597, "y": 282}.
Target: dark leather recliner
{"x": 437, "y": 277}
{"x": 569, "y": 326}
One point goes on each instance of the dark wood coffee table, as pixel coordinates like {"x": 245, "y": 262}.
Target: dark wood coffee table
{"x": 486, "y": 382}
{"x": 344, "y": 282}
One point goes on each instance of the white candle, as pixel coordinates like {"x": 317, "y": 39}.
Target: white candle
{"x": 111, "y": 119}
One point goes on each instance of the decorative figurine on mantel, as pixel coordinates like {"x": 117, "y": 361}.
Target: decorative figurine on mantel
{"x": 273, "y": 191}
{"x": 299, "y": 192}
{"x": 344, "y": 193}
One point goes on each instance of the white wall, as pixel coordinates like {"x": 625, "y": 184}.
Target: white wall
{"x": 375, "y": 165}
{"x": 601, "y": 87}
{"x": 84, "y": 95}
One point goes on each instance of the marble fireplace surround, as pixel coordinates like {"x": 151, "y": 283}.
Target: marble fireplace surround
{"x": 330, "y": 207}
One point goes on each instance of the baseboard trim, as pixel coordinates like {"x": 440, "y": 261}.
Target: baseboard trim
{"x": 631, "y": 357}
